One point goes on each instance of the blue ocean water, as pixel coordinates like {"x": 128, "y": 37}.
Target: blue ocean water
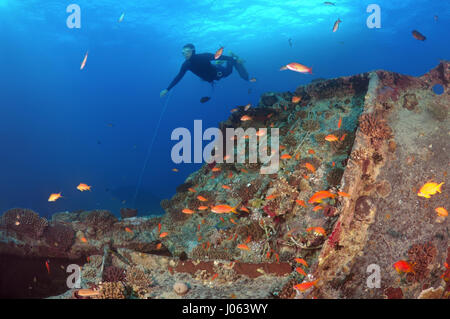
{"x": 61, "y": 126}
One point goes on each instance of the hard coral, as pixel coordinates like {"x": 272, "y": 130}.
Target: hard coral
{"x": 111, "y": 290}
{"x": 114, "y": 274}
{"x": 421, "y": 255}
{"x": 24, "y": 221}
{"x": 59, "y": 236}
{"x": 99, "y": 219}
{"x": 375, "y": 127}
{"x": 334, "y": 176}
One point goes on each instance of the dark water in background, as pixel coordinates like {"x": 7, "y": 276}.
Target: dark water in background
{"x": 55, "y": 120}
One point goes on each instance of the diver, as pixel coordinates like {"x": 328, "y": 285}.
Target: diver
{"x": 206, "y": 67}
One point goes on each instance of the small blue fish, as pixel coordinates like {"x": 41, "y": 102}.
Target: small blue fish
{"x": 121, "y": 17}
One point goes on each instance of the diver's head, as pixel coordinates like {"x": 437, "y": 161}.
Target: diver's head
{"x": 188, "y": 51}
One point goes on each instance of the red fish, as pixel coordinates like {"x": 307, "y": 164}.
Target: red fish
{"x": 243, "y": 247}
{"x": 297, "y": 67}
{"x": 340, "y": 122}
{"x": 84, "y": 61}
{"x": 300, "y": 202}
{"x": 301, "y": 261}
{"x": 300, "y": 271}
{"x": 331, "y": 138}
{"x": 218, "y": 53}
{"x": 403, "y": 266}
{"x": 319, "y": 196}
{"x": 47, "y": 265}
{"x": 418, "y": 36}
{"x": 306, "y": 285}
{"x": 310, "y": 167}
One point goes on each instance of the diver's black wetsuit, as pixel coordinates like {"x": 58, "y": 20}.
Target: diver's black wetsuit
{"x": 200, "y": 65}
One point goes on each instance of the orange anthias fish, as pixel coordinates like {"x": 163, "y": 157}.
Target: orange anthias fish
{"x": 253, "y": 80}
{"x": 336, "y": 25}
{"x": 83, "y": 239}
{"x": 301, "y": 261}
{"x": 243, "y": 247}
{"x": 244, "y": 209}
{"x": 296, "y": 99}
{"x": 162, "y": 235}
{"x": 285, "y": 156}
{"x": 202, "y": 199}
{"x": 188, "y": 211}
{"x": 300, "y": 202}
{"x": 128, "y": 230}
{"x": 175, "y": 169}
{"x": 316, "y": 208}
{"x": 306, "y": 285}
{"x": 311, "y": 152}
{"x": 248, "y": 239}
{"x": 331, "y": 138}
{"x": 226, "y": 187}
{"x": 83, "y": 187}
{"x": 218, "y": 53}
{"x": 202, "y": 207}
{"x": 340, "y": 122}
{"x": 441, "y": 211}
{"x": 403, "y": 266}
{"x": 430, "y": 188}
{"x": 159, "y": 227}
{"x": 247, "y": 106}
{"x": 343, "y": 137}
{"x": 317, "y": 230}
{"x": 319, "y": 196}
{"x": 53, "y": 197}
{"x": 83, "y": 64}
{"x": 343, "y": 194}
{"x": 47, "y": 265}
{"x": 310, "y": 167}
{"x": 192, "y": 190}
{"x": 243, "y": 170}
{"x": 216, "y": 169}
{"x": 214, "y": 276}
{"x": 233, "y": 110}
{"x": 223, "y": 209}
{"x": 158, "y": 246}
{"x": 297, "y": 67}
{"x": 271, "y": 196}
{"x": 300, "y": 271}
{"x": 246, "y": 118}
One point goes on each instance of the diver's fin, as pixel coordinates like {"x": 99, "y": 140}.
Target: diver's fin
{"x": 241, "y": 70}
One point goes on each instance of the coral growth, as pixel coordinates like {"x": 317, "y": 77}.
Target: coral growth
{"x": 139, "y": 281}
{"x": 421, "y": 255}
{"x": 310, "y": 125}
{"x": 111, "y": 290}
{"x": 59, "y": 236}
{"x": 114, "y": 274}
{"x": 410, "y": 101}
{"x": 375, "y": 127}
{"x": 334, "y": 176}
{"x": 24, "y": 221}
{"x": 101, "y": 220}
